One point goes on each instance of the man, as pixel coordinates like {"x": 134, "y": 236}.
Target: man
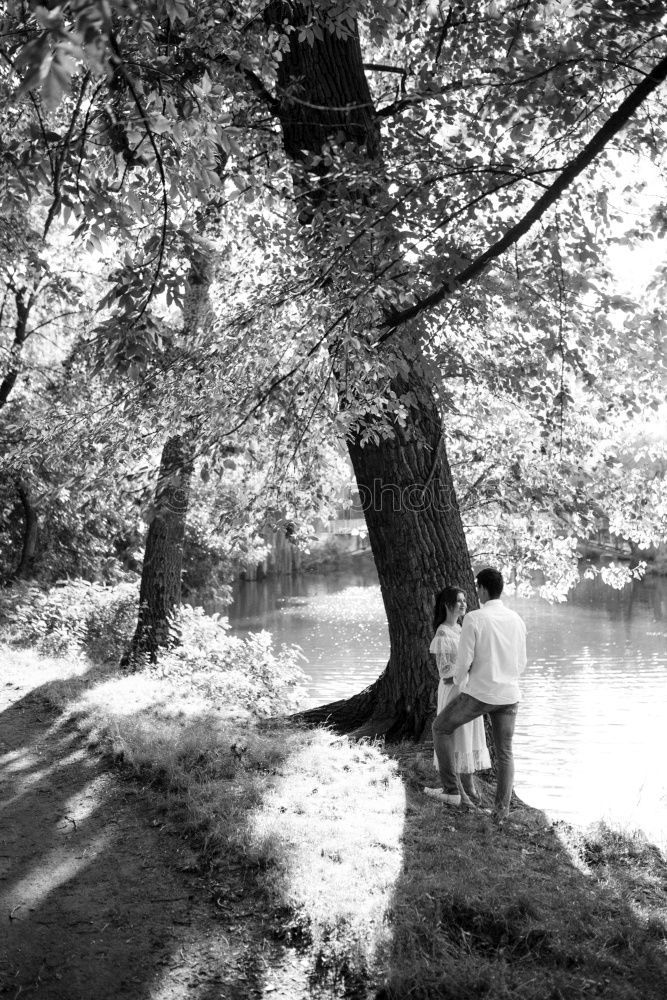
{"x": 490, "y": 658}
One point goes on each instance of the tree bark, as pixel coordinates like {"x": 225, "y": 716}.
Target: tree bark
{"x": 414, "y": 525}
{"x": 20, "y": 337}
{"x": 30, "y": 520}
{"x": 30, "y": 533}
{"x": 160, "y": 589}
{"x": 7, "y": 385}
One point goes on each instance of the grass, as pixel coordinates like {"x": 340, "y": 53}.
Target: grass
{"x": 386, "y": 893}
{"x": 520, "y": 912}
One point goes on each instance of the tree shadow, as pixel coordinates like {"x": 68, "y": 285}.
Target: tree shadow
{"x": 530, "y": 909}
{"x": 102, "y": 895}
{"x": 99, "y": 895}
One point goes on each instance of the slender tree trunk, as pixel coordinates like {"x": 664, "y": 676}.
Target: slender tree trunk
{"x": 20, "y": 337}
{"x": 160, "y": 589}
{"x": 30, "y": 533}
{"x": 414, "y": 525}
{"x": 7, "y": 385}
{"x": 30, "y": 520}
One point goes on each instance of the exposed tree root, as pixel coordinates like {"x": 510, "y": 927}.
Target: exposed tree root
{"x": 370, "y": 714}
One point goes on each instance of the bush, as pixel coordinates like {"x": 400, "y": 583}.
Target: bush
{"x": 242, "y": 673}
{"x": 79, "y": 618}
{"x": 70, "y": 619}
{"x": 111, "y": 622}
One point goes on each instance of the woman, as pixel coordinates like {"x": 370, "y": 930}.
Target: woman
{"x": 469, "y": 740}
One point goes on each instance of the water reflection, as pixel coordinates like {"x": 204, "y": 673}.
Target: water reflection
{"x": 337, "y": 621}
{"x": 592, "y": 736}
{"x": 592, "y": 730}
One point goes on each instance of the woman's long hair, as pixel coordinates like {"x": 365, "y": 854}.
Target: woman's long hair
{"x": 444, "y": 602}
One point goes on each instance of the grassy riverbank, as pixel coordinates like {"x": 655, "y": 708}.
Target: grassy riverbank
{"x": 385, "y": 893}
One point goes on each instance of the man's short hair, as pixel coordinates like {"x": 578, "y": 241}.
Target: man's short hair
{"x": 492, "y": 581}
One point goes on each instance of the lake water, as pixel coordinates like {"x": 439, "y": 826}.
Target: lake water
{"x": 591, "y": 738}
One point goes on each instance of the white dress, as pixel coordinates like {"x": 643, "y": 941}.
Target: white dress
{"x": 469, "y": 740}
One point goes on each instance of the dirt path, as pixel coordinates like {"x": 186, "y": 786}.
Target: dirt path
{"x": 97, "y": 899}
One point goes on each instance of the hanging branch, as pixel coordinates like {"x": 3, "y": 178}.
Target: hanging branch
{"x": 561, "y": 330}
{"x": 617, "y": 121}
{"x": 160, "y": 168}
{"x": 62, "y": 158}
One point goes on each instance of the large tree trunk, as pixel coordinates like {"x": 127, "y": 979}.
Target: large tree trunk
{"x": 160, "y": 589}
{"x": 405, "y": 482}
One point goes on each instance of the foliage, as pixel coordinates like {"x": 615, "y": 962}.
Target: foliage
{"x": 477, "y": 110}
{"x": 88, "y": 443}
{"x": 10, "y": 529}
{"x": 205, "y": 662}
{"x": 73, "y": 619}
{"x": 531, "y": 491}
{"x": 229, "y": 671}
{"x": 504, "y": 130}
{"x": 80, "y": 457}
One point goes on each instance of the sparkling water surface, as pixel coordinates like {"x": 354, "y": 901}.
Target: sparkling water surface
{"x": 591, "y": 738}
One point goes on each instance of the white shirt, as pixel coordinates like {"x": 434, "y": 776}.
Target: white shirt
{"x": 492, "y": 654}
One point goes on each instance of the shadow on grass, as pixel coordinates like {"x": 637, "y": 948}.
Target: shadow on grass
{"x": 530, "y": 910}
{"x": 101, "y": 895}
{"x": 290, "y": 864}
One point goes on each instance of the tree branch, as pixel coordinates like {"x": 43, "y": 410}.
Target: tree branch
{"x": 256, "y": 83}
{"x": 61, "y": 158}
{"x": 258, "y": 87}
{"x": 611, "y": 127}
{"x": 385, "y": 68}
{"x": 161, "y": 172}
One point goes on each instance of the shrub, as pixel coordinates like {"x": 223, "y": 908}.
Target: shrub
{"x": 69, "y": 619}
{"x": 112, "y": 620}
{"x": 227, "y": 670}
{"x": 78, "y": 618}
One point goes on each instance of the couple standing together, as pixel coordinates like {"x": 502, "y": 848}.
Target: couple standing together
{"x": 479, "y": 666}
